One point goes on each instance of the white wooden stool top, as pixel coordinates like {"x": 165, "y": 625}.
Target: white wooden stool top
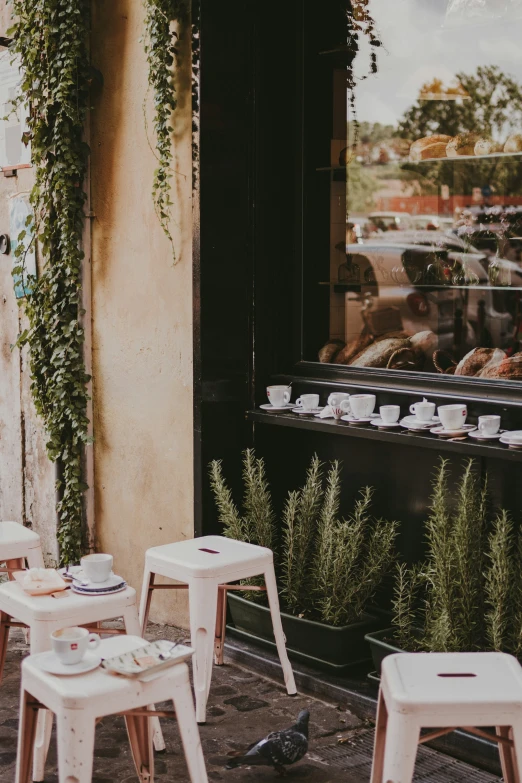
{"x": 440, "y": 680}
{"x": 79, "y": 608}
{"x": 15, "y": 533}
{"x": 208, "y": 557}
{"x": 98, "y": 691}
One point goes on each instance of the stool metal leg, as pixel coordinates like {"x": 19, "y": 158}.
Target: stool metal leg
{"x": 75, "y": 735}
{"x": 41, "y": 642}
{"x": 146, "y": 597}
{"x": 400, "y": 751}
{"x": 508, "y": 758}
{"x": 380, "y": 740}
{"x": 26, "y": 735}
{"x": 189, "y": 732}
{"x": 203, "y": 600}
{"x": 273, "y": 600}
{"x": 139, "y": 730}
{"x": 4, "y": 638}
{"x": 516, "y": 734}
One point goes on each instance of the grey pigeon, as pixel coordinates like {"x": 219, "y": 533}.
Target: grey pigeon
{"x": 278, "y": 749}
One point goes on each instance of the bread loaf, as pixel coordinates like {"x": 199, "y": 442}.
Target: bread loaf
{"x": 514, "y": 143}
{"x": 488, "y": 147}
{"x": 329, "y": 351}
{"x": 478, "y": 359}
{"x": 463, "y": 144}
{"x": 508, "y": 369}
{"x": 429, "y": 147}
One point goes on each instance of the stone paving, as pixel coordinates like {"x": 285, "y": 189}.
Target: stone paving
{"x": 243, "y": 707}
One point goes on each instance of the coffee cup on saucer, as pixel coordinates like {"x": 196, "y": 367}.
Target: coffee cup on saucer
{"x": 389, "y": 413}
{"x": 279, "y": 396}
{"x": 488, "y": 425}
{"x": 308, "y": 402}
{"x": 336, "y": 398}
{"x": 452, "y": 417}
{"x": 423, "y": 411}
{"x": 97, "y": 567}
{"x": 362, "y": 405}
{"x": 71, "y": 644}
{"x": 341, "y": 409}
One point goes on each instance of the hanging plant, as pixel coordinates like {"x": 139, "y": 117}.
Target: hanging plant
{"x": 49, "y": 40}
{"x": 160, "y": 43}
{"x": 360, "y": 23}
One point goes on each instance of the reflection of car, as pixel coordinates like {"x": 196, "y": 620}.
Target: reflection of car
{"x": 495, "y": 230}
{"x": 430, "y": 289}
{"x": 445, "y": 240}
{"x": 429, "y": 222}
{"x": 390, "y": 221}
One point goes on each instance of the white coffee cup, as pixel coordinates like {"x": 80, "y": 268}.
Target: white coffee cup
{"x": 279, "y": 396}
{"x": 308, "y": 402}
{"x": 489, "y": 425}
{"x": 340, "y": 410}
{"x": 97, "y": 568}
{"x": 423, "y": 411}
{"x": 390, "y": 413}
{"x": 362, "y": 405}
{"x": 336, "y": 398}
{"x": 71, "y": 644}
{"x": 452, "y": 417}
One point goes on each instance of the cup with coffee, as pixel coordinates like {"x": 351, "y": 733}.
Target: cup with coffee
{"x": 362, "y": 405}
{"x": 423, "y": 411}
{"x": 279, "y": 396}
{"x": 71, "y": 644}
{"x": 308, "y": 402}
{"x": 488, "y": 425}
{"x": 389, "y": 413}
{"x": 97, "y": 567}
{"x": 452, "y": 417}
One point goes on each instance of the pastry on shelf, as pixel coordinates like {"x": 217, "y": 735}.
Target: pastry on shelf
{"x": 429, "y": 147}
{"x": 514, "y": 143}
{"x": 509, "y": 369}
{"x": 488, "y": 147}
{"x": 478, "y": 360}
{"x": 463, "y": 144}
{"x": 328, "y": 352}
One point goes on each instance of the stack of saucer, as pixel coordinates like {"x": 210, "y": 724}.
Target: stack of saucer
{"x": 414, "y": 424}
{"x": 112, "y": 585}
{"x": 513, "y": 439}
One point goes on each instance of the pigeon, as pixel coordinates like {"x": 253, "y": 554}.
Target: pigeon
{"x": 278, "y": 749}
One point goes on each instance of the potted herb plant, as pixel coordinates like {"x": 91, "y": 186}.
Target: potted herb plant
{"x": 329, "y": 567}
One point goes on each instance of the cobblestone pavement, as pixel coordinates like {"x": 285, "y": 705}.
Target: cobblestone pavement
{"x": 242, "y": 708}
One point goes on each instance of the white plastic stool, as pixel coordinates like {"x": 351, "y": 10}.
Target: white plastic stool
{"x": 79, "y": 701}
{"x": 446, "y": 691}
{"x": 203, "y": 565}
{"x": 44, "y": 614}
{"x": 18, "y": 544}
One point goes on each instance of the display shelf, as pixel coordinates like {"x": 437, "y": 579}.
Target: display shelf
{"x": 493, "y": 449}
{"x": 357, "y": 286}
{"x": 492, "y": 156}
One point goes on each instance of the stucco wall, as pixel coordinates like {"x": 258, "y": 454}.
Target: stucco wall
{"x": 142, "y": 313}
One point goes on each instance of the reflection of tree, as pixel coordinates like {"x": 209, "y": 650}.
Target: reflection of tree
{"x": 361, "y": 187}
{"x": 494, "y": 110}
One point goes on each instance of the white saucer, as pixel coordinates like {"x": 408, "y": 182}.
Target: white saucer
{"x": 415, "y": 423}
{"x": 50, "y": 663}
{"x": 267, "y": 406}
{"x": 114, "y": 582}
{"x": 505, "y": 440}
{"x": 442, "y": 433}
{"x": 479, "y": 436}
{"x": 384, "y": 425}
{"x": 305, "y": 412}
{"x": 364, "y": 420}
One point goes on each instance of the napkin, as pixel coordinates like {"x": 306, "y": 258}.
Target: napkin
{"x": 326, "y": 413}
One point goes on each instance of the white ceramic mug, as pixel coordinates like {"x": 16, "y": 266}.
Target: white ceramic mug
{"x": 452, "y": 417}
{"x": 71, "y": 644}
{"x": 423, "y": 411}
{"x": 390, "y": 413}
{"x": 336, "y": 398}
{"x": 97, "y": 568}
{"x": 340, "y": 410}
{"x": 279, "y": 396}
{"x": 308, "y": 402}
{"x": 362, "y": 405}
{"x": 489, "y": 425}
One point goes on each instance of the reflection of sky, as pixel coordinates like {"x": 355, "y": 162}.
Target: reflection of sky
{"x": 427, "y": 39}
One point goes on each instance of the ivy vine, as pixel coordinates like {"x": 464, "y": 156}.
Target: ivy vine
{"x": 161, "y": 49}
{"x": 360, "y": 23}
{"x": 49, "y": 38}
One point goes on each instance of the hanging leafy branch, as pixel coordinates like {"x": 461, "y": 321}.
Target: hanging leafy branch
{"x": 160, "y": 44}
{"x": 360, "y": 23}
{"x": 49, "y": 39}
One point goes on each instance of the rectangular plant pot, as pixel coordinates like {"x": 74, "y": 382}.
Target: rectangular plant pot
{"x": 380, "y": 647}
{"x": 308, "y": 641}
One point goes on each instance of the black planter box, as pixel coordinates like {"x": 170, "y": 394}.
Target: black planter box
{"x": 317, "y": 644}
{"x": 380, "y": 647}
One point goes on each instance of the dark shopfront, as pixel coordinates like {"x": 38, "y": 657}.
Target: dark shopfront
{"x": 318, "y": 242}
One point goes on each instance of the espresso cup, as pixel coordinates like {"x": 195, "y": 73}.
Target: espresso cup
{"x": 362, "y": 405}
{"x": 97, "y": 568}
{"x": 390, "y": 413}
{"x": 71, "y": 644}
{"x": 308, "y": 402}
{"x": 336, "y": 398}
{"x": 339, "y": 410}
{"x": 489, "y": 425}
{"x": 452, "y": 417}
{"x": 279, "y": 396}
{"x": 423, "y": 411}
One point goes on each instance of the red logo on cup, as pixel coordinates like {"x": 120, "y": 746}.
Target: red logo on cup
{"x": 74, "y": 646}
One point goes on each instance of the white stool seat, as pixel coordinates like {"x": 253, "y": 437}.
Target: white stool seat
{"x": 206, "y": 564}
{"x": 80, "y": 700}
{"x": 16, "y": 541}
{"x": 445, "y": 691}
